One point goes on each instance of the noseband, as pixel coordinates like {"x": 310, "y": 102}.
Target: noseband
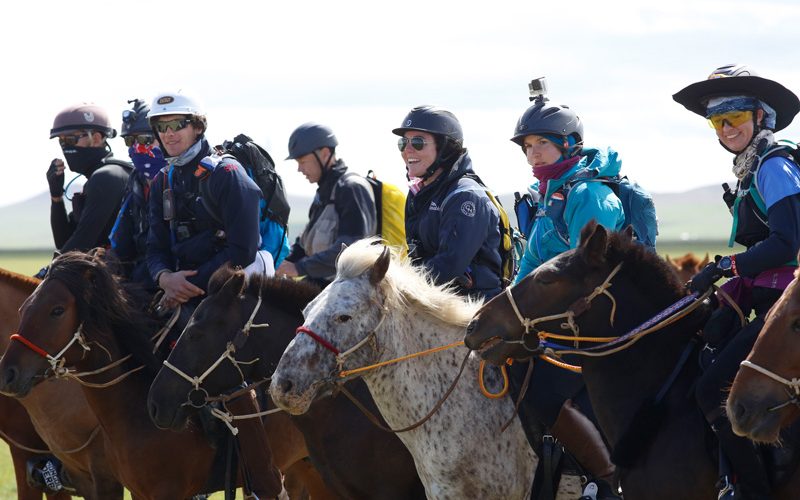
{"x": 56, "y": 362}
{"x": 793, "y": 384}
{"x": 198, "y": 396}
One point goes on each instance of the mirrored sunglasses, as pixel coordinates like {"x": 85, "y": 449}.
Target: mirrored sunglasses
{"x": 417, "y": 142}
{"x": 734, "y": 119}
{"x": 174, "y": 125}
{"x": 142, "y": 139}
{"x": 68, "y": 141}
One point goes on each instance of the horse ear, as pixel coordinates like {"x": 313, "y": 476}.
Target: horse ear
{"x": 705, "y": 261}
{"x": 669, "y": 261}
{"x": 628, "y": 232}
{"x": 378, "y": 271}
{"x": 594, "y": 244}
{"x": 235, "y": 284}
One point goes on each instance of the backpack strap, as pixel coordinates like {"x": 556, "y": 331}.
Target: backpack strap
{"x": 210, "y": 163}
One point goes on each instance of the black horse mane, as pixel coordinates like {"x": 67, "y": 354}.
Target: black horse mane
{"x": 287, "y": 294}
{"x": 106, "y": 305}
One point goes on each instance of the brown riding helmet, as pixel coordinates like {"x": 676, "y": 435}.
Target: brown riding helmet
{"x": 83, "y": 116}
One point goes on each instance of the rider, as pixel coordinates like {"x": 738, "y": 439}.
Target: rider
{"x": 343, "y": 210}
{"x": 129, "y": 235}
{"x": 551, "y": 137}
{"x": 452, "y": 227}
{"x": 185, "y": 244}
{"x": 82, "y": 131}
{"x": 745, "y": 110}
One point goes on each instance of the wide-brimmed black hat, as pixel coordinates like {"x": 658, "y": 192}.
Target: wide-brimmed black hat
{"x": 782, "y": 100}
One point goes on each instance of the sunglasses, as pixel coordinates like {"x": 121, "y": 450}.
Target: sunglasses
{"x": 142, "y": 139}
{"x": 733, "y": 118}
{"x": 417, "y": 142}
{"x": 174, "y": 125}
{"x": 68, "y": 141}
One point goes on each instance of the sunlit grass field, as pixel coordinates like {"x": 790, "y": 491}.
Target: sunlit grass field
{"x": 29, "y": 262}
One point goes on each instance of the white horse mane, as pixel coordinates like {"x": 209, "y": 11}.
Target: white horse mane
{"x": 407, "y": 284}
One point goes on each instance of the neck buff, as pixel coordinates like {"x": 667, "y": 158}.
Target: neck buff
{"x": 745, "y": 160}
{"x": 187, "y": 155}
{"x": 85, "y": 161}
{"x": 147, "y": 160}
{"x": 553, "y": 171}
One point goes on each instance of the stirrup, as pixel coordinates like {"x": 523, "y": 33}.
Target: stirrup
{"x": 726, "y": 489}
{"x": 48, "y": 475}
{"x": 589, "y": 491}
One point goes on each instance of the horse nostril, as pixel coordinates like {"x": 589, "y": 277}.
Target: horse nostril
{"x": 9, "y": 376}
{"x": 285, "y": 385}
{"x": 152, "y": 408}
{"x": 739, "y": 410}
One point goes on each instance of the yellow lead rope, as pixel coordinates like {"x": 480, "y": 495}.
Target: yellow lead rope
{"x": 484, "y": 391}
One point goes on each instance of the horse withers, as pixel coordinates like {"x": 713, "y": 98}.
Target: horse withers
{"x": 378, "y": 308}
{"x": 765, "y": 394}
{"x": 257, "y": 317}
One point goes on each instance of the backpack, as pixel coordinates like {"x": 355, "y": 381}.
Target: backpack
{"x": 261, "y": 168}
{"x": 390, "y": 207}
{"x": 509, "y": 238}
{"x": 640, "y": 211}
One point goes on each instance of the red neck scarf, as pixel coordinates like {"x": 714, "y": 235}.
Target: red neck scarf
{"x": 553, "y": 171}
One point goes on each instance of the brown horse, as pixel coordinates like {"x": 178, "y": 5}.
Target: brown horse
{"x": 79, "y": 317}
{"x": 639, "y": 386}
{"x": 688, "y": 265}
{"x": 87, "y": 468}
{"x": 357, "y": 459}
{"x": 766, "y": 392}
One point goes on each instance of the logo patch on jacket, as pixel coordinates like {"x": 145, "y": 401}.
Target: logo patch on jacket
{"x": 433, "y": 206}
{"x": 468, "y": 208}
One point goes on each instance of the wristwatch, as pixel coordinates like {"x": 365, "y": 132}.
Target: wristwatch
{"x": 725, "y": 264}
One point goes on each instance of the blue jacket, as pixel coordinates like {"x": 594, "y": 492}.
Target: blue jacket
{"x": 452, "y": 230}
{"x": 193, "y": 240}
{"x": 129, "y": 235}
{"x": 586, "y": 201}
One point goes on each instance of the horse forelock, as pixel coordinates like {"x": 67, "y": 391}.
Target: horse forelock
{"x": 286, "y": 294}
{"x": 405, "y": 284}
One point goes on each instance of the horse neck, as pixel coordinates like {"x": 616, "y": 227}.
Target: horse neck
{"x": 416, "y": 383}
{"x": 269, "y": 343}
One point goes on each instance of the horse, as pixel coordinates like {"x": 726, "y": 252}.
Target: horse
{"x": 73, "y": 437}
{"x": 641, "y": 384}
{"x": 688, "y": 265}
{"x": 764, "y": 396}
{"x": 80, "y": 313}
{"x": 374, "y": 312}
{"x": 356, "y": 459}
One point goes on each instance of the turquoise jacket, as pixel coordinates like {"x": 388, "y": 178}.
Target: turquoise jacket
{"x": 586, "y": 201}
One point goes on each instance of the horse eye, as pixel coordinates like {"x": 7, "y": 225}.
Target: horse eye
{"x": 57, "y": 311}
{"x": 343, "y": 318}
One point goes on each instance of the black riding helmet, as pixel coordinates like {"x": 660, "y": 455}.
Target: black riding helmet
{"x": 134, "y": 121}
{"x": 544, "y": 117}
{"x": 445, "y": 128}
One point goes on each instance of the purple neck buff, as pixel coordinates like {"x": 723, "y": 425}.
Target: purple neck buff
{"x": 553, "y": 171}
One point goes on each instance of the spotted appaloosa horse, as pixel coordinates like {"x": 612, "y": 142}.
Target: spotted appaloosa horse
{"x": 764, "y": 397}
{"x": 459, "y": 452}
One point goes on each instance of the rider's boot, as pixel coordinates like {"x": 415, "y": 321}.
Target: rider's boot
{"x": 582, "y": 439}
{"x": 262, "y": 477}
{"x": 751, "y": 477}
{"x": 48, "y": 474}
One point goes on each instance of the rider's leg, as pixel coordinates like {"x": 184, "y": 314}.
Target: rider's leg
{"x": 744, "y": 457}
{"x": 581, "y": 437}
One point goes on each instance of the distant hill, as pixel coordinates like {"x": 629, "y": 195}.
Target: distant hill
{"x": 698, "y": 214}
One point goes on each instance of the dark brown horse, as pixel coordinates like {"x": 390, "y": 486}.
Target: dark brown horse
{"x": 607, "y": 287}
{"x": 356, "y": 458}
{"x": 87, "y": 468}
{"x": 79, "y": 317}
{"x": 688, "y": 265}
{"x": 764, "y": 398}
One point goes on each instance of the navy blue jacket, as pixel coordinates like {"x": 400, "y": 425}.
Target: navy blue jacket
{"x": 129, "y": 235}
{"x": 193, "y": 240}
{"x": 452, "y": 229}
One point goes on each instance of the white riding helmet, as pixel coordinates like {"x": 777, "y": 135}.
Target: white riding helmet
{"x": 174, "y": 103}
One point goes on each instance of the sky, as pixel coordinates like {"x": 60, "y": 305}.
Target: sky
{"x": 263, "y": 68}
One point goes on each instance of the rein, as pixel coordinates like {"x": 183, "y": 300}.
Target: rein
{"x": 47, "y": 451}
{"x": 793, "y": 384}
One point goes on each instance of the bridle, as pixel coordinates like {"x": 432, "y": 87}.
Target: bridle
{"x": 576, "y": 309}
{"x": 197, "y": 397}
{"x": 793, "y": 384}
{"x": 341, "y": 357}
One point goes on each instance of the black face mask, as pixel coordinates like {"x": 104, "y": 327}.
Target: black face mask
{"x": 84, "y": 161}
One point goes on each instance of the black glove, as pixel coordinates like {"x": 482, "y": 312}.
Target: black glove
{"x": 56, "y": 180}
{"x": 720, "y": 326}
{"x": 709, "y": 275}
